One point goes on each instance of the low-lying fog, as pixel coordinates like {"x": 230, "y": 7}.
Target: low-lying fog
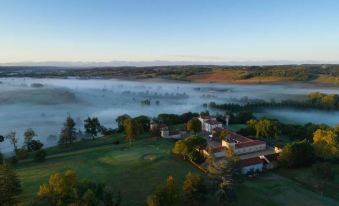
{"x": 43, "y": 104}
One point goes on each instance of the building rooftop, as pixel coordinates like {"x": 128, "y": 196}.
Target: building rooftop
{"x": 234, "y": 137}
{"x": 249, "y": 143}
{"x": 250, "y": 161}
{"x": 212, "y": 122}
{"x": 218, "y": 129}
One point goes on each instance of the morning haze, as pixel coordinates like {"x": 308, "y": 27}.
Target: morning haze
{"x": 169, "y": 103}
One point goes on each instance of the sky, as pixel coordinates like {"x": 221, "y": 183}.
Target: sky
{"x": 169, "y": 30}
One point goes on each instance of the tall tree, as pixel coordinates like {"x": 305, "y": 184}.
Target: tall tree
{"x": 12, "y": 139}
{"x": 144, "y": 122}
{"x": 132, "y": 129}
{"x": 9, "y": 185}
{"x": 194, "y": 125}
{"x": 92, "y": 126}
{"x": 326, "y": 143}
{"x": 194, "y": 190}
{"x": 29, "y": 135}
{"x": 120, "y": 121}
{"x": 168, "y": 195}
{"x": 223, "y": 174}
{"x": 68, "y": 132}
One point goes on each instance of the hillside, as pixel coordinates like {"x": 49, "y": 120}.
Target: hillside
{"x": 317, "y": 74}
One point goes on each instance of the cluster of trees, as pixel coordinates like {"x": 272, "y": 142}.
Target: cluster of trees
{"x": 133, "y": 126}
{"x": 220, "y": 135}
{"x": 271, "y": 128}
{"x": 326, "y": 143}
{"x": 194, "y": 125}
{"x": 329, "y": 101}
{"x": 30, "y": 145}
{"x": 265, "y": 128}
{"x": 148, "y": 102}
{"x": 291, "y": 72}
{"x": 65, "y": 189}
{"x": 315, "y": 100}
{"x": 325, "y": 146}
{"x": 237, "y": 118}
{"x": 194, "y": 192}
{"x": 171, "y": 119}
{"x": 297, "y": 154}
{"x": 189, "y": 148}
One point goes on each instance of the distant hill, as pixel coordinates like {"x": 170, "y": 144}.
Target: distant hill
{"x": 310, "y": 73}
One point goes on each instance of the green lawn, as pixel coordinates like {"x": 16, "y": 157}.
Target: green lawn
{"x": 124, "y": 168}
{"x": 271, "y": 189}
{"x": 130, "y": 170}
{"x": 305, "y": 177}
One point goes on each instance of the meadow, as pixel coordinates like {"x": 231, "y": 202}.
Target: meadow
{"x": 137, "y": 170}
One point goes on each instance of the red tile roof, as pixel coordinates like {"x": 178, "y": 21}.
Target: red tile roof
{"x": 212, "y": 122}
{"x": 250, "y": 161}
{"x": 238, "y": 137}
{"x": 250, "y": 143}
{"x": 218, "y": 129}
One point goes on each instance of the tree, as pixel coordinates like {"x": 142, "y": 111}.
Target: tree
{"x": 34, "y": 145}
{"x": 194, "y": 190}
{"x": 297, "y": 154}
{"x": 9, "y": 185}
{"x": 190, "y": 148}
{"x": 29, "y": 135}
{"x": 194, "y": 125}
{"x": 223, "y": 173}
{"x": 65, "y": 188}
{"x": 92, "y": 126}
{"x": 152, "y": 200}
{"x": 265, "y": 128}
{"x": 168, "y": 195}
{"x": 12, "y": 139}
{"x": 326, "y": 143}
{"x": 180, "y": 148}
{"x": 120, "y": 121}
{"x": 144, "y": 122}
{"x": 220, "y": 135}
{"x": 68, "y": 132}
{"x": 132, "y": 129}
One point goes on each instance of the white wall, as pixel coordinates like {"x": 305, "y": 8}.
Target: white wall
{"x": 256, "y": 167}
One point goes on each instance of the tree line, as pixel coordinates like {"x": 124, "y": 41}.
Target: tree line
{"x": 315, "y": 100}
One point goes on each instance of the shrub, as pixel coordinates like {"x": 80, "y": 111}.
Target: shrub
{"x": 40, "y": 155}
{"x": 21, "y": 154}
{"x": 34, "y": 145}
{"x": 297, "y": 154}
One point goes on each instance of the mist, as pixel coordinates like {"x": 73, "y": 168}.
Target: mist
{"x": 43, "y": 104}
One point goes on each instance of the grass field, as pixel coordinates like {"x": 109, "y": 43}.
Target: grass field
{"x": 128, "y": 170}
{"x": 136, "y": 171}
{"x": 272, "y": 189}
{"x": 305, "y": 177}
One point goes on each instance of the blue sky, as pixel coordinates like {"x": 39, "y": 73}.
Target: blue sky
{"x": 171, "y": 30}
